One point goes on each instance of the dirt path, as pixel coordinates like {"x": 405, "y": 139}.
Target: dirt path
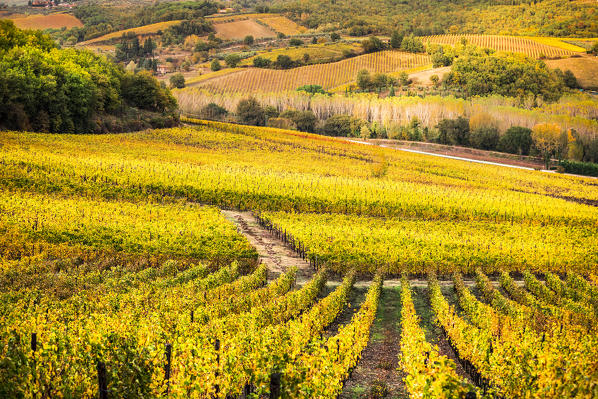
{"x": 379, "y": 363}
{"x": 273, "y": 252}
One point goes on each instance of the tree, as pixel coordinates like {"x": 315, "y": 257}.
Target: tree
{"x": 372, "y": 44}
{"x": 215, "y": 66}
{"x": 284, "y": 62}
{"x": 213, "y": 111}
{"x": 434, "y": 79}
{"x": 548, "y": 139}
{"x": 177, "y": 81}
{"x": 249, "y": 40}
{"x": 570, "y": 79}
{"x": 312, "y": 89}
{"x": 364, "y": 80}
{"x": 314, "y": 40}
{"x": 594, "y": 49}
{"x": 396, "y": 39}
{"x": 412, "y": 44}
{"x": 296, "y": 42}
{"x": 574, "y": 146}
{"x": 232, "y": 60}
{"x": 304, "y": 121}
{"x": 261, "y": 62}
{"x": 453, "y": 131}
{"x": 404, "y": 79}
{"x": 335, "y": 37}
{"x": 250, "y": 112}
{"x": 342, "y": 125}
{"x": 484, "y": 138}
{"x": 516, "y": 140}
{"x": 306, "y": 57}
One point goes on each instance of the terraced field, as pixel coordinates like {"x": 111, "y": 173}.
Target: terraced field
{"x": 328, "y": 76}
{"x": 533, "y": 47}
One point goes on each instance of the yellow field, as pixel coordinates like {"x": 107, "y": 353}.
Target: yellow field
{"x": 212, "y": 75}
{"x": 283, "y": 25}
{"x": 52, "y": 21}
{"x": 532, "y": 47}
{"x": 241, "y": 28}
{"x": 317, "y": 52}
{"x": 584, "y": 68}
{"x": 141, "y": 31}
{"x": 328, "y": 76}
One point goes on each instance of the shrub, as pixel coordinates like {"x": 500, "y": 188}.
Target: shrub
{"x": 296, "y": 42}
{"x": 516, "y": 140}
{"x": 453, "y": 131}
{"x": 249, "y": 40}
{"x": 342, "y": 125}
{"x": 213, "y": 111}
{"x": 372, "y": 44}
{"x": 215, "y": 66}
{"x": 303, "y": 120}
{"x": 261, "y": 62}
{"x": 250, "y": 112}
{"x": 579, "y": 168}
{"x": 484, "y": 138}
{"x": 312, "y": 89}
{"x": 335, "y": 37}
{"x": 177, "y": 81}
{"x": 232, "y": 60}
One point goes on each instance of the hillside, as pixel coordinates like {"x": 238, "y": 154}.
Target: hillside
{"x": 428, "y": 17}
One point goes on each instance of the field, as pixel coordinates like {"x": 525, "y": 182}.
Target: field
{"x": 328, "y": 76}
{"x": 241, "y": 28}
{"x": 117, "y": 265}
{"x": 52, "y": 21}
{"x": 530, "y": 46}
{"x": 151, "y": 29}
{"x": 283, "y": 25}
{"x": 317, "y": 52}
{"x": 584, "y": 68}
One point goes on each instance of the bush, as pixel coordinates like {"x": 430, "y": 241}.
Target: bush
{"x": 342, "y": 125}
{"x": 261, "y": 62}
{"x": 250, "y": 112}
{"x": 296, "y": 42}
{"x": 177, "y": 81}
{"x": 312, "y": 89}
{"x": 284, "y": 62}
{"x": 215, "y": 66}
{"x": 303, "y": 120}
{"x": 232, "y": 60}
{"x": 484, "y": 138}
{"x": 213, "y": 111}
{"x": 453, "y": 131}
{"x": 372, "y": 44}
{"x": 516, "y": 140}
{"x": 335, "y": 37}
{"x": 249, "y": 40}
{"x": 579, "y": 168}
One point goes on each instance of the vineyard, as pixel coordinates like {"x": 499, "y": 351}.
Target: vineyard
{"x": 121, "y": 277}
{"x": 151, "y": 29}
{"x": 531, "y": 46}
{"x": 328, "y": 76}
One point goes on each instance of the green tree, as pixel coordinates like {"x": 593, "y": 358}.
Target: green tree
{"x": 284, "y": 62}
{"x": 232, "y": 60}
{"x": 484, "y": 138}
{"x": 215, "y": 66}
{"x": 249, "y": 40}
{"x": 372, "y": 44}
{"x": 516, "y": 140}
{"x": 396, "y": 39}
{"x": 250, "y": 112}
{"x": 335, "y": 37}
{"x": 453, "y": 131}
{"x": 261, "y": 62}
{"x": 364, "y": 80}
{"x": 177, "y": 81}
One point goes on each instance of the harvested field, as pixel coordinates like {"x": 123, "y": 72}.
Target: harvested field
{"x": 140, "y": 31}
{"x": 240, "y": 29}
{"x": 584, "y": 68}
{"x": 52, "y": 21}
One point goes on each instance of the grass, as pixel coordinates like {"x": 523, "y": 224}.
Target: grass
{"x": 585, "y": 69}
{"x": 557, "y": 42}
{"x": 241, "y": 28}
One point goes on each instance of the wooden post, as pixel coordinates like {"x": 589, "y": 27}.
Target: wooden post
{"x": 102, "y": 381}
{"x": 167, "y": 367}
{"x": 275, "y": 385}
